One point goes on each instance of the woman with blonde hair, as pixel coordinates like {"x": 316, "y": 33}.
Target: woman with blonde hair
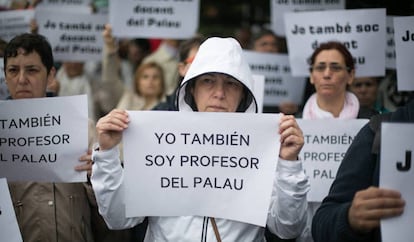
{"x": 149, "y": 88}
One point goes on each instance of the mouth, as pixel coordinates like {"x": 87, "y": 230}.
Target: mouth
{"x": 327, "y": 86}
{"x": 23, "y": 93}
{"x": 216, "y": 108}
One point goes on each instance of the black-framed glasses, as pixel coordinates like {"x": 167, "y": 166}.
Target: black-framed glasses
{"x": 332, "y": 67}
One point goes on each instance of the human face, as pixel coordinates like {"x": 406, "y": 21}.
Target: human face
{"x": 150, "y": 83}
{"x": 26, "y": 76}
{"x": 365, "y": 88}
{"x": 266, "y": 44}
{"x": 330, "y": 82}
{"x": 215, "y": 92}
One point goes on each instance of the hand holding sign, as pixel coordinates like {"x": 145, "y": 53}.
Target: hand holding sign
{"x": 291, "y": 138}
{"x": 371, "y": 205}
{"x": 109, "y": 128}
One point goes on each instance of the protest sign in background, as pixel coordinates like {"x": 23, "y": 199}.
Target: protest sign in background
{"x": 154, "y": 19}
{"x": 362, "y": 31}
{"x": 279, "y": 7}
{"x": 404, "y": 46}
{"x": 326, "y": 141}
{"x": 73, "y": 36}
{"x": 280, "y": 85}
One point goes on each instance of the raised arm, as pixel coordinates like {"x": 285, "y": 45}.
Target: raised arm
{"x": 107, "y": 172}
{"x": 112, "y": 86}
{"x": 287, "y": 213}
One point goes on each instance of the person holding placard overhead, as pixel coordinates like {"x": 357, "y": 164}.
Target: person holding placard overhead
{"x": 218, "y": 80}
{"x": 355, "y": 205}
{"x": 44, "y": 211}
{"x": 331, "y": 69}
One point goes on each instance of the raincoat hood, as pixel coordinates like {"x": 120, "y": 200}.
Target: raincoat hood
{"x": 219, "y": 55}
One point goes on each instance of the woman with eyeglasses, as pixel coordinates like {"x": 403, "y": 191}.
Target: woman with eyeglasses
{"x": 331, "y": 69}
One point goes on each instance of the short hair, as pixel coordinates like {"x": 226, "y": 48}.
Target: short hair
{"x": 264, "y": 32}
{"x": 30, "y": 43}
{"x": 334, "y": 45}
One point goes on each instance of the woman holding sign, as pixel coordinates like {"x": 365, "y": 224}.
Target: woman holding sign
{"x": 218, "y": 80}
{"x": 332, "y": 70}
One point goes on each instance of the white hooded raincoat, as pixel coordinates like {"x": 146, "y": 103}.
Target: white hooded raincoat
{"x": 287, "y": 211}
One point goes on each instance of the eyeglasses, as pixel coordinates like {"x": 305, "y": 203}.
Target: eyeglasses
{"x": 332, "y": 67}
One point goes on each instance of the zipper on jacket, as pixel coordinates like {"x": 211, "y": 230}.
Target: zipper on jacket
{"x": 54, "y": 207}
{"x": 204, "y": 230}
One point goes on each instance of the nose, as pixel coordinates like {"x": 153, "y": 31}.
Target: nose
{"x": 22, "y": 79}
{"x": 219, "y": 91}
{"x": 327, "y": 72}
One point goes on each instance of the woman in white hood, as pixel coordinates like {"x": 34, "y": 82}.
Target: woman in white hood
{"x": 219, "y": 80}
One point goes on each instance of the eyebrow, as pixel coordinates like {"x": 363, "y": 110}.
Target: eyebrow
{"x": 323, "y": 62}
{"x": 25, "y": 66}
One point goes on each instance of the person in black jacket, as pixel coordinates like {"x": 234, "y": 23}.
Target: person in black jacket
{"x": 355, "y": 204}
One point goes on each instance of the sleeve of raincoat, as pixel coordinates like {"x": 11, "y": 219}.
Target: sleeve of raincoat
{"x": 287, "y": 213}
{"x": 107, "y": 182}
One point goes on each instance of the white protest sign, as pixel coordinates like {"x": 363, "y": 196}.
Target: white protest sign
{"x": 390, "y": 45}
{"x": 64, "y": 3}
{"x": 15, "y": 22}
{"x": 362, "y": 31}
{"x": 397, "y": 173}
{"x": 326, "y": 141}
{"x": 9, "y": 229}
{"x": 41, "y": 139}
{"x": 79, "y": 9}
{"x": 73, "y": 36}
{"x": 4, "y": 92}
{"x": 200, "y": 163}
{"x": 279, "y": 7}
{"x": 258, "y": 91}
{"x": 404, "y": 47}
{"x": 280, "y": 86}
{"x": 154, "y": 19}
